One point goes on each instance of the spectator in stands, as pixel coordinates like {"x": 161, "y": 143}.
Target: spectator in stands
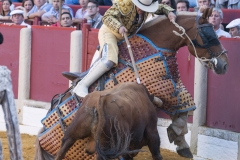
{"x": 230, "y": 4}
{"x": 170, "y": 3}
{"x": 40, "y": 7}
{"x": 234, "y": 28}
{"x": 93, "y": 16}
{"x": 5, "y": 11}
{"x": 82, "y": 12}
{"x": 216, "y": 19}
{"x": 66, "y": 19}
{"x": 58, "y": 24}
{"x": 105, "y": 2}
{"x": 233, "y": 4}
{"x": 27, "y": 5}
{"x": 52, "y": 16}
{"x": 202, "y": 5}
{"x": 17, "y": 17}
{"x": 182, "y": 5}
{"x": 75, "y": 2}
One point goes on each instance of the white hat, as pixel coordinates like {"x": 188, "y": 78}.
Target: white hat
{"x": 16, "y": 12}
{"x": 234, "y": 23}
{"x": 146, "y": 5}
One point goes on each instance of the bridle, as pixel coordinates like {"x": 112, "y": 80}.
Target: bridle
{"x": 209, "y": 39}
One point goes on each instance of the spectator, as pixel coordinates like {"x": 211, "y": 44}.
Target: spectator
{"x": 75, "y": 2}
{"x": 192, "y": 3}
{"x": 5, "y": 11}
{"x": 105, "y": 2}
{"x": 202, "y": 5}
{"x": 221, "y": 4}
{"x": 40, "y": 7}
{"x": 18, "y": 18}
{"x": 58, "y": 24}
{"x": 82, "y": 12}
{"x": 93, "y": 16}
{"x": 216, "y": 19}
{"x": 234, "y": 28}
{"x": 170, "y": 3}
{"x": 52, "y": 16}
{"x": 66, "y": 19}
{"x": 182, "y": 5}
{"x": 230, "y": 4}
{"x": 27, "y": 5}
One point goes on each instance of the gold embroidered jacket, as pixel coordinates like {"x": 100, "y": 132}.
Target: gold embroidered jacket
{"x": 123, "y": 13}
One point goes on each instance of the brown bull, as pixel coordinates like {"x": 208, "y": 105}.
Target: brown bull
{"x": 119, "y": 122}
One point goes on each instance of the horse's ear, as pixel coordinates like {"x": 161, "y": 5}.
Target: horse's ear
{"x": 210, "y": 12}
{"x": 205, "y": 15}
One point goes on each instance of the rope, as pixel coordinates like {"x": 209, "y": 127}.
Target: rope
{"x": 202, "y": 59}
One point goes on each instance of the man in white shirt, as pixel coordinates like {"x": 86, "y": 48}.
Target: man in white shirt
{"x": 234, "y": 28}
{"x": 52, "y": 16}
{"x": 82, "y": 12}
{"x": 18, "y": 18}
{"x": 216, "y": 19}
{"x": 94, "y": 18}
{"x": 40, "y": 7}
{"x": 182, "y": 5}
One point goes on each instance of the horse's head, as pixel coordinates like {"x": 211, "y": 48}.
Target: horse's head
{"x": 209, "y": 50}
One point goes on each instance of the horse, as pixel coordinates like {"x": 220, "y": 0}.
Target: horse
{"x": 119, "y": 121}
{"x": 154, "y": 49}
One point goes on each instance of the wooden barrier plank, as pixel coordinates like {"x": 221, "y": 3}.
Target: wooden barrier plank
{"x": 9, "y": 52}
{"x": 50, "y": 56}
{"x": 224, "y": 90}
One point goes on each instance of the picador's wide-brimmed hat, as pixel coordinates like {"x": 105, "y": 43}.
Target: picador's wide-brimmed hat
{"x": 146, "y": 5}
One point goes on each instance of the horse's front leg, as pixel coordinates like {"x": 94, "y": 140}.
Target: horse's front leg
{"x": 176, "y": 133}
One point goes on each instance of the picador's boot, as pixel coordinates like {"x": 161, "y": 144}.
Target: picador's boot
{"x": 95, "y": 72}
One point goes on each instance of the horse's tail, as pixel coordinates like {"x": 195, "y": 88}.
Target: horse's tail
{"x": 40, "y": 154}
{"x": 118, "y": 138}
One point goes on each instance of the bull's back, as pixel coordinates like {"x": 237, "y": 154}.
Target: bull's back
{"x": 129, "y": 103}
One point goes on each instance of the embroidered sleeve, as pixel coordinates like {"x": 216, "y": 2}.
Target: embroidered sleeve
{"x": 163, "y": 9}
{"x": 110, "y": 18}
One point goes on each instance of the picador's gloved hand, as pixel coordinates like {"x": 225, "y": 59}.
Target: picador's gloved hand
{"x": 171, "y": 16}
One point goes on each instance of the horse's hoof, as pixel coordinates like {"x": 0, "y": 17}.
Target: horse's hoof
{"x": 171, "y": 134}
{"x": 185, "y": 153}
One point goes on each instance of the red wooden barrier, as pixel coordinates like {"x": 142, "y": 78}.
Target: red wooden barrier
{"x": 50, "y": 56}
{"x": 9, "y": 52}
{"x": 223, "y": 105}
{"x": 90, "y": 43}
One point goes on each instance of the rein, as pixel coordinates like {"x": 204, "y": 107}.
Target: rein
{"x": 202, "y": 59}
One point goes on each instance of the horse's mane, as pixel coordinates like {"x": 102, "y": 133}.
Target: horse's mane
{"x": 159, "y": 18}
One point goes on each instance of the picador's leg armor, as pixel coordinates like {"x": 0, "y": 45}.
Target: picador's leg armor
{"x": 97, "y": 70}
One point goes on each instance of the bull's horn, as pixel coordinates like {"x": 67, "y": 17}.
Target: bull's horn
{"x": 157, "y": 101}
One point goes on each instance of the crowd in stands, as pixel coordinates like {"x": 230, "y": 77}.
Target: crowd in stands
{"x": 89, "y": 10}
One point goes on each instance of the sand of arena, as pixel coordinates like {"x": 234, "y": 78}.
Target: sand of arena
{"x": 28, "y": 146}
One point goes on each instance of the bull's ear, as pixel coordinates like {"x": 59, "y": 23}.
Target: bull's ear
{"x": 204, "y": 18}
